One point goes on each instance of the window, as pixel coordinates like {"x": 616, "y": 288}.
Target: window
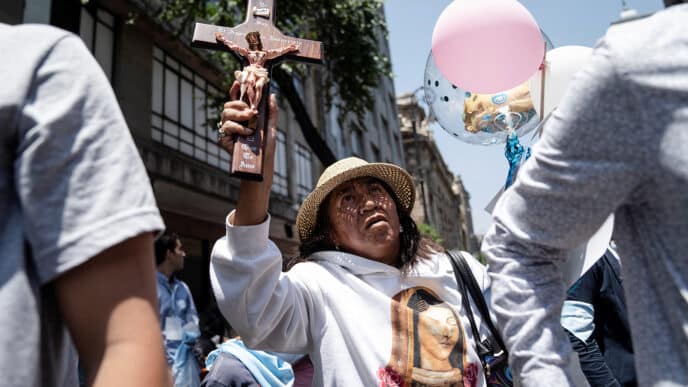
{"x": 386, "y": 134}
{"x": 385, "y": 125}
{"x": 376, "y": 152}
{"x": 298, "y": 85}
{"x": 334, "y": 135}
{"x": 357, "y": 142}
{"x": 96, "y": 28}
{"x": 275, "y": 89}
{"x": 280, "y": 183}
{"x": 181, "y": 108}
{"x": 304, "y": 172}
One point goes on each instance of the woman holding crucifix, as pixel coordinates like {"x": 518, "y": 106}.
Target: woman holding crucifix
{"x": 368, "y": 299}
{"x": 254, "y": 76}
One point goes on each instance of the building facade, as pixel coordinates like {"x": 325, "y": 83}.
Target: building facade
{"x": 165, "y": 90}
{"x": 375, "y": 136}
{"x": 469, "y": 239}
{"x": 441, "y": 199}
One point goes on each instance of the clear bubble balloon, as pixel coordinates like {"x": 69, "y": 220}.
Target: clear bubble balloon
{"x": 482, "y": 119}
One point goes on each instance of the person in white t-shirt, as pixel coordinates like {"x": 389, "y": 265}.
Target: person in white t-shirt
{"x": 370, "y": 301}
{"x": 77, "y": 221}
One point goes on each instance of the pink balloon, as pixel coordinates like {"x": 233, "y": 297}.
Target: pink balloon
{"x": 487, "y": 46}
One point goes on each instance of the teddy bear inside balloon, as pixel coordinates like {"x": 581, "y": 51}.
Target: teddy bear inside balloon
{"x": 490, "y": 113}
{"x": 482, "y": 119}
{"x": 484, "y": 95}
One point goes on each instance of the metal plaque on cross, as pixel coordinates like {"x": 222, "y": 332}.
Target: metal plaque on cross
{"x": 258, "y": 44}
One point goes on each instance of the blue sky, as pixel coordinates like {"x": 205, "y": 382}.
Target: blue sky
{"x": 566, "y": 22}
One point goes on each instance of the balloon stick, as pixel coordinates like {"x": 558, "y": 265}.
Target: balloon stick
{"x": 543, "y": 68}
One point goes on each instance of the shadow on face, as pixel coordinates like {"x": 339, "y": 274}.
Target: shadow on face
{"x": 364, "y": 221}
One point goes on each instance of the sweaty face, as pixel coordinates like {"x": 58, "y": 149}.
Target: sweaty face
{"x": 364, "y": 220}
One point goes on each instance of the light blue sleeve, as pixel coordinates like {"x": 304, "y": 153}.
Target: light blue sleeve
{"x": 191, "y": 312}
{"x": 578, "y": 318}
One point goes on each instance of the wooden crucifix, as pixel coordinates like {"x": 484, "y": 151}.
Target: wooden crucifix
{"x": 258, "y": 44}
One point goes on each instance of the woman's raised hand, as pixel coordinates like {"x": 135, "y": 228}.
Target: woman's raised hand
{"x": 254, "y": 196}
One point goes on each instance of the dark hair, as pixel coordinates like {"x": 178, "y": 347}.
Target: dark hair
{"x": 669, "y": 3}
{"x": 166, "y": 242}
{"x": 250, "y": 37}
{"x": 412, "y": 246}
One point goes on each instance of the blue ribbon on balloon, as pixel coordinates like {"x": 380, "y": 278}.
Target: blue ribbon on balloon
{"x": 514, "y": 153}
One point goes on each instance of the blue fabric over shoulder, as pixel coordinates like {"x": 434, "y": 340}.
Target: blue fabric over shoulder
{"x": 268, "y": 369}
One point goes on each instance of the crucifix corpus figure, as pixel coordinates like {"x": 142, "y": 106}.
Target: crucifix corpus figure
{"x": 254, "y": 76}
{"x": 266, "y": 46}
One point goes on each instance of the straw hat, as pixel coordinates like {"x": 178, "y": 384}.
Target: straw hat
{"x": 349, "y": 169}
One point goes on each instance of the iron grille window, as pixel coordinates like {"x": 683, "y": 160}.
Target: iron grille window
{"x": 181, "y": 110}
{"x": 304, "y": 172}
{"x": 96, "y": 28}
{"x": 280, "y": 183}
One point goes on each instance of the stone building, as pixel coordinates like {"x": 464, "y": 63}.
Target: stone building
{"x": 164, "y": 88}
{"x": 441, "y": 200}
{"x": 470, "y": 240}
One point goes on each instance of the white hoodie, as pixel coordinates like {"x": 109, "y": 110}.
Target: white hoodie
{"x": 359, "y": 320}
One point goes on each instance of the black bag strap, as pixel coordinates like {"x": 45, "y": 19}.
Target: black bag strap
{"x": 482, "y": 350}
{"x": 467, "y": 284}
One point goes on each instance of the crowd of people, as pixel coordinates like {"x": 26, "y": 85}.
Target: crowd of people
{"x": 89, "y": 278}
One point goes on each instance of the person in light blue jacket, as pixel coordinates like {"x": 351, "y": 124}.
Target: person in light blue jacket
{"x": 178, "y": 315}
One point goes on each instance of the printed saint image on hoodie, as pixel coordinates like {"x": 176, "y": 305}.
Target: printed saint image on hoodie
{"x": 428, "y": 344}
